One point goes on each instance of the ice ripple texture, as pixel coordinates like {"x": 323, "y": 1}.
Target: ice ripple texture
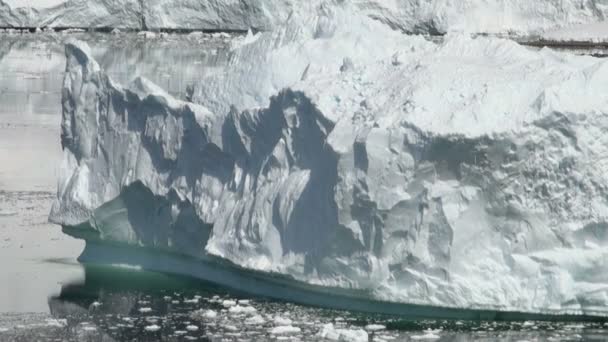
{"x": 470, "y": 173}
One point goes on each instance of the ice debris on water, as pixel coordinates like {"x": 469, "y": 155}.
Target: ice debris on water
{"x": 192, "y": 328}
{"x": 285, "y": 329}
{"x": 278, "y": 320}
{"x": 238, "y": 309}
{"x": 375, "y": 327}
{"x": 330, "y": 332}
{"x": 228, "y": 303}
{"x": 428, "y": 335}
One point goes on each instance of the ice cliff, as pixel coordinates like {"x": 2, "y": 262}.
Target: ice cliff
{"x": 471, "y": 173}
{"x": 420, "y": 16}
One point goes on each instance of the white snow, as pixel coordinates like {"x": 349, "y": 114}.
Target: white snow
{"x": 470, "y": 173}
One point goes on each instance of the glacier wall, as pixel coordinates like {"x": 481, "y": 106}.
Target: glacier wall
{"x": 334, "y": 150}
{"x": 427, "y": 16}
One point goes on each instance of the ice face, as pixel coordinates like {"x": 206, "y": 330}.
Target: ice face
{"x": 428, "y": 16}
{"x": 342, "y": 153}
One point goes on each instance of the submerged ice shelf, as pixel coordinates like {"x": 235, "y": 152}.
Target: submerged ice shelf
{"x": 340, "y": 153}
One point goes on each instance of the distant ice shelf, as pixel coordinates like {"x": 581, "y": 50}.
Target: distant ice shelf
{"x": 341, "y": 153}
{"x": 521, "y": 17}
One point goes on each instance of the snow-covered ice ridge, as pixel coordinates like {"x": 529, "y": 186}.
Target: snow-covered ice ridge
{"x": 337, "y": 151}
{"x": 420, "y": 16}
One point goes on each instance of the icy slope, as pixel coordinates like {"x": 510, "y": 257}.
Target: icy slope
{"x": 470, "y": 174}
{"x": 422, "y": 16}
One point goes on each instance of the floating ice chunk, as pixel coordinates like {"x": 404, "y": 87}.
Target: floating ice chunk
{"x": 375, "y": 327}
{"x": 152, "y": 328}
{"x": 255, "y": 320}
{"x": 192, "y": 328}
{"x": 278, "y": 320}
{"x": 285, "y": 329}
{"x": 228, "y": 303}
{"x": 145, "y": 310}
{"x": 238, "y": 309}
{"x": 210, "y": 314}
{"x": 475, "y": 143}
{"x": 428, "y": 335}
{"x": 329, "y": 332}
{"x": 59, "y": 323}
{"x": 191, "y": 301}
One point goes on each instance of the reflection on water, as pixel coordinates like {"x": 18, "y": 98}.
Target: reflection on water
{"x": 32, "y": 66}
{"x": 31, "y": 77}
{"x": 124, "y": 304}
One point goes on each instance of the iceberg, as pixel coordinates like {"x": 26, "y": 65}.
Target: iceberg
{"x": 340, "y": 153}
